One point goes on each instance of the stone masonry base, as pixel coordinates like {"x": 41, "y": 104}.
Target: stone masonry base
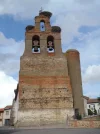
{"x": 84, "y": 124}
{"x": 31, "y": 118}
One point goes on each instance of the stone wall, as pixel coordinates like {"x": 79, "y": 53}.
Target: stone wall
{"x": 31, "y": 118}
{"x": 84, "y": 124}
{"x": 95, "y": 117}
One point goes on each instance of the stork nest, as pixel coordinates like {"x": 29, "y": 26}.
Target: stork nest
{"x": 29, "y": 27}
{"x": 56, "y": 29}
{"x": 46, "y": 13}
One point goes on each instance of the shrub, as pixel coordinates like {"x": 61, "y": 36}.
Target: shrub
{"x": 90, "y": 112}
{"x": 95, "y": 112}
{"x": 78, "y": 117}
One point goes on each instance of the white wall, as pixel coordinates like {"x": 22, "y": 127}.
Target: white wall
{"x": 15, "y": 109}
{"x": 85, "y": 107}
{"x": 1, "y": 117}
{"x": 0, "y": 123}
{"x": 5, "y": 116}
{"x": 97, "y": 107}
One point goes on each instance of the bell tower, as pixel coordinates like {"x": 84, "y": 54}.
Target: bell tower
{"x": 43, "y": 38}
{"x": 45, "y": 93}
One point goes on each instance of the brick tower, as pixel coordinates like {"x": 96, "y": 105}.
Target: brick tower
{"x": 74, "y": 71}
{"x": 45, "y": 93}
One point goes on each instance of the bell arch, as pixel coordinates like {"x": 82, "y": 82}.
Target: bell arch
{"x": 50, "y": 44}
{"x": 42, "y": 26}
{"x": 35, "y": 44}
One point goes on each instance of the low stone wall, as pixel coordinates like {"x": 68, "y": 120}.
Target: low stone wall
{"x": 95, "y": 117}
{"x": 84, "y": 124}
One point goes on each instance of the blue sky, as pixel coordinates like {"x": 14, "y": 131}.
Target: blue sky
{"x": 80, "y": 24}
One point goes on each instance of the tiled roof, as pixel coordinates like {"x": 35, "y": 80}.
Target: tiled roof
{"x": 8, "y": 107}
{"x": 93, "y": 101}
{"x": 87, "y": 98}
{"x": 1, "y": 109}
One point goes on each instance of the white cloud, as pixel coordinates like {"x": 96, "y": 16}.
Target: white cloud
{"x": 10, "y": 52}
{"x": 85, "y": 2}
{"x": 92, "y": 94}
{"x": 10, "y": 46}
{"x": 88, "y": 46}
{"x": 7, "y": 86}
{"x": 92, "y": 74}
{"x": 21, "y": 9}
{"x": 92, "y": 89}
{"x": 75, "y": 16}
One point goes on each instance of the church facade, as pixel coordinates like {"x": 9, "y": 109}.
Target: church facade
{"x": 50, "y": 87}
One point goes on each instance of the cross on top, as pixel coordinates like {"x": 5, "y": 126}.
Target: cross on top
{"x": 41, "y": 10}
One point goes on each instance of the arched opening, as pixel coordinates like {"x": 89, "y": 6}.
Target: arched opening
{"x": 50, "y": 44}
{"x": 42, "y": 25}
{"x": 36, "y": 44}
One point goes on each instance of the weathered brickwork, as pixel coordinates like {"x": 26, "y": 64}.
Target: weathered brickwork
{"x": 45, "y": 103}
{"x": 56, "y": 96}
{"x": 44, "y": 92}
{"x": 43, "y": 36}
{"x": 46, "y": 81}
{"x": 45, "y": 66}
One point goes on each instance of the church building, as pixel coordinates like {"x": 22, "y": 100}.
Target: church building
{"x": 50, "y": 86}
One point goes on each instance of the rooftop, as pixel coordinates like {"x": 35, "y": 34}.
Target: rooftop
{"x": 93, "y": 101}
{"x": 1, "y": 109}
{"x": 85, "y": 97}
{"x": 8, "y": 107}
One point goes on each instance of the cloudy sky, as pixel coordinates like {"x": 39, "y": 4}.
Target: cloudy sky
{"x": 80, "y": 23}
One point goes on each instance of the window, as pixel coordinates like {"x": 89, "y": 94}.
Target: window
{"x": 7, "y": 112}
{"x": 36, "y": 44}
{"x": 42, "y": 25}
{"x": 50, "y": 44}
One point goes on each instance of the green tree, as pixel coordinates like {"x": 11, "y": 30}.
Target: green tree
{"x": 90, "y": 112}
{"x": 95, "y": 112}
{"x": 98, "y": 98}
{"x": 78, "y": 117}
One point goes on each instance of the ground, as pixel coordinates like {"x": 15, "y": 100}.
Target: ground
{"x": 49, "y": 131}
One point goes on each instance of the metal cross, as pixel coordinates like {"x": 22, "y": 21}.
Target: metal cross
{"x": 41, "y": 10}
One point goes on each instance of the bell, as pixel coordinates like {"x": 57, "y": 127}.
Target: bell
{"x": 42, "y": 26}
{"x": 50, "y": 48}
{"x": 36, "y": 49}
